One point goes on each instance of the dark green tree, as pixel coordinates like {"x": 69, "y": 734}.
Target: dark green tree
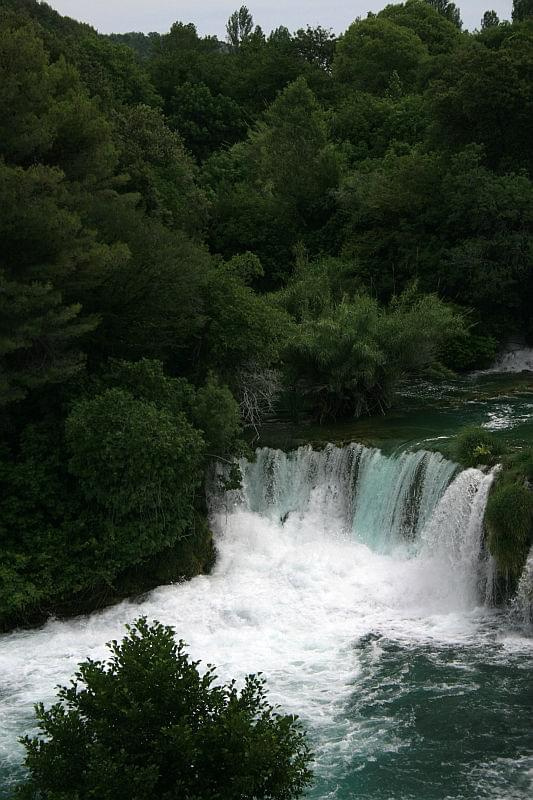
{"x": 151, "y": 302}
{"x": 147, "y": 723}
{"x": 50, "y": 264}
{"x": 241, "y": 326}
{"x": 205, "y": 121}
{"x": 490, "y": 20}
{"x": 181, "y": 55}
{"x": 485, "y": 95}
{"x": 113, "y": 72}
{"x": 159, "y": 168}
{"x": 522, "y": 10}
{"x": 316, "y": 45}
{"x": 264, "y": 66}
{"x": 364, "y": 125}
{"x": 39, "y": 338}
{"x": 448, "y": 10}
{"x": 239, "y": 27}
{"x": 282, "y": 178}
{"x": 141, "y": 43}
{"x": 130, "y": 456}
{"x": 439, "y": 33}
{"x": 373, "y": 50}
{"x": 472, "y": 244}
{"x": 292, "y": 150}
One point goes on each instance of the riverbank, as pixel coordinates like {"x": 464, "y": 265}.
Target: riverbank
{"x": 190, "y": 556}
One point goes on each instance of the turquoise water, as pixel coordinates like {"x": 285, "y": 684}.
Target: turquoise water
{"x": 429, "y": 415}
{"x": 452, "y": 720}
{"x": 357, "y": 582}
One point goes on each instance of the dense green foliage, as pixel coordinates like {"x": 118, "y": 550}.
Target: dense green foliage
{"x": 147, "y": 723}
{"x": 347, "y": 353}
{"x": 193, "y": 228}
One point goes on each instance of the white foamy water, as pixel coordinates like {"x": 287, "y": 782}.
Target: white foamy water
{"x": 519, "y": 360}
{"x": 505, "y": 416}
{"x": 318, "y": 551}
{"x": 523, "y": 602}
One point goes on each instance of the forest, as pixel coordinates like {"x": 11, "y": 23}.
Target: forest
{"x": 197, "y": 234}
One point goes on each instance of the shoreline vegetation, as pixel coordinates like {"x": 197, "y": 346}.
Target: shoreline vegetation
{"x": 196, "y": 232}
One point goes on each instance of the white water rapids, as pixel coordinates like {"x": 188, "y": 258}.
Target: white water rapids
{"x": 318, "y": 552}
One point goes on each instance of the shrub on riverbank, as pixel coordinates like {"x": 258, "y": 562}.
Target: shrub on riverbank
{"x": 148, "y": 724}
{"x": 347, "y": 355}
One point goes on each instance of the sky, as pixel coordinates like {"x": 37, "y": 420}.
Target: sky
{"x": 209, "y": 16}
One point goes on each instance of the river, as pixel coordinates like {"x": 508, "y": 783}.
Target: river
{"x": 354, "y": 577}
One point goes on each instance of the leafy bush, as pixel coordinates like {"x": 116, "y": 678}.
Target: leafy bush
{"x": 147, "y": 724}
{"x": 131, "y": 457}
{"x": 475, "y": 446}
{"x": 86, "y": 507}
{"x": 348, "y": 356}
{"x": 520, "y": 465}
{"x": 469, "y": 351}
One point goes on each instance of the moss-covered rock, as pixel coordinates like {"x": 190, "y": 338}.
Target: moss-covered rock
{"x": 519, "y": 465}
{"x": 509, "y": 522}
{"x": 476, "y": 446}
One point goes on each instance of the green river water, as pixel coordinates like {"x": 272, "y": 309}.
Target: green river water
{"x": 428, "y": 414}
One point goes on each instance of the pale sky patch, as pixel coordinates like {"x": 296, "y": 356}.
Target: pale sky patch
{"x": 209, "y": 16}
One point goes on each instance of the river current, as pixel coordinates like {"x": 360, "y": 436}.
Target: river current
{"x": 358, "y": 583}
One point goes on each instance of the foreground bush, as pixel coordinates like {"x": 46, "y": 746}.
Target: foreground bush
{"x": 147, "y": 724}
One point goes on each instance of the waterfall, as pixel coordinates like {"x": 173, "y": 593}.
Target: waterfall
{"x": 417, "y": 505}
{"x": 454, "y": 534}
{"x": 382, "y": 500}
{"x": 523, "y": 602}
{"x": 409, "y": 501}
{"x": 515, "y": 360}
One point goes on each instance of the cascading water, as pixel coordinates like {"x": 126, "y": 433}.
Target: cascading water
{"x": 454, "y": 535}
{"x": 384, "y": 501}
{"x": 353, "y": 581}
{"x": 517, "y": 359}
{"x": 523, "y": 602}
